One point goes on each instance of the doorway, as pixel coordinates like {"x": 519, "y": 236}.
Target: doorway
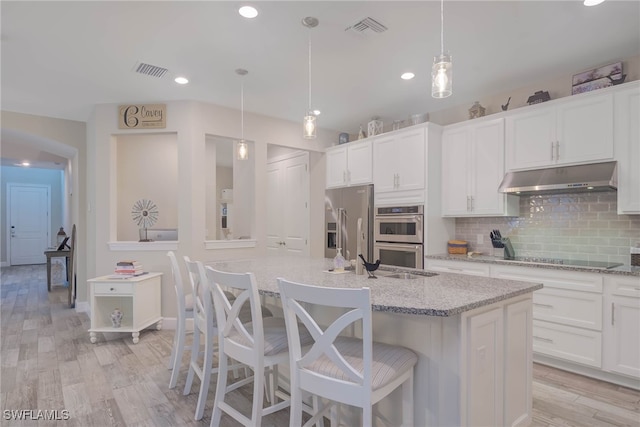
{"x": 28, "y": 222}
{"x": 288, "y": 204}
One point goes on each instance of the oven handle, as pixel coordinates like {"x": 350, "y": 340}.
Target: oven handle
{"x": 417, "y": 218}
{"x": 384, "y": 245}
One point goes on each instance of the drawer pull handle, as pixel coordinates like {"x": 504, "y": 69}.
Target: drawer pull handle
{"x": 112, "y": 289}
{"x": 549, "y": 340}
{"x": 613, "y": 311}
{"x": 543, "y": 305}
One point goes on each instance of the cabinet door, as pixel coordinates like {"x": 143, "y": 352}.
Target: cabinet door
{"x": 627, "y": 149}
{"x": 410, "y": 159}
{"x": 485, "y": 369}
{"x": 585, "y": 130}
{"x": 530, "y": 137}
{"x": 622, "y": 349}
{"x": 360, "y": 163}
{"x": 337, "y": 167}
{"x": 455, "y": 171}
{"x": 384, "y": 164}
{"x": 487, "y": 158}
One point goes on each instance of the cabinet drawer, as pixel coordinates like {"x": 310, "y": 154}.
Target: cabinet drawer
{"x": 124, "y": 288}
{"x": 566, "y": 280}
{"x": 459, "y": 267}
{"x": 623, "y": 286}
{"x": 568, "y": 343}
{"x": 572, "y": 308}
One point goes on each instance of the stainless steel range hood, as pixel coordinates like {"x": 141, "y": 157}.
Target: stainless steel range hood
{"x": 565, "y": 179}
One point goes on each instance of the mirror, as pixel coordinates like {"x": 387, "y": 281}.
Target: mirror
{"x": 229, "y": 190}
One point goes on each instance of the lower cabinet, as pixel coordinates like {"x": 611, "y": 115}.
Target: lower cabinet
{"x": 446, "y": 266}
{"x": 497, "y": 382}
{"x": 584, "y": 322}
{"x": 622, "y": 325}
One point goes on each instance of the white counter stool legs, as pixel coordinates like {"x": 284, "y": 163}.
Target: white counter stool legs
{"x": 352, "y": 371}
{"x": 260, "y": 344}
{"x": 185, "y": 311}
{"x": 204, "y": 326}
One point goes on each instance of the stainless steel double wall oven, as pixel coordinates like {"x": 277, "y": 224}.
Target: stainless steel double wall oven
{"x": 399, "y": 236}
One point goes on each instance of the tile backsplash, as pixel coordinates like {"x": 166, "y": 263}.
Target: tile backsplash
{"x": 582, "y": 226}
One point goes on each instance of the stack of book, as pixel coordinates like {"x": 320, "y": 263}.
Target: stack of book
{"x": 128, "y": 268}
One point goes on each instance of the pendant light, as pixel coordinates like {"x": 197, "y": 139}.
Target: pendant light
{"x": 242, "y": 149}
{"x": 442, "y": 70}
{"x": 309, "y": 125}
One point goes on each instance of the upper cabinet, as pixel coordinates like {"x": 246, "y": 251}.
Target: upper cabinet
{"x": 473, "y": 167}
{"x": 627, "y": 148}
{"x": 565, "y": 131}
{"x": 399, "y": 166}
{"x": 349, "y": 164}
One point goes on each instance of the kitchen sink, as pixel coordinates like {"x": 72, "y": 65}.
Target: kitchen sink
{"x": 402, "y": 276}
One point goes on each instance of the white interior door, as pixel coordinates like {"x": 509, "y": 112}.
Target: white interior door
{"x": 29, "y": 207}
{"x": 275, "y": 232}
{"x": 288, "y": 205}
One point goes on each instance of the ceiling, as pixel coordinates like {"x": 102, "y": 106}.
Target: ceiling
{"x": 59, "y": 59}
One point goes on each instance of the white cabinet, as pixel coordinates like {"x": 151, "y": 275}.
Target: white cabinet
{"x": 138, "y": 298}
{"x": 567, "y": 313}
{"x": 497, "y": 376}
{"x": 350, "y": 164}
{"x": 622, "y": 326}
{"x": 627, "y": 148}
{"x": 566, "y": 131}
{"x": 399, "y": 165}
{"x": 473, "y": 168}
{"x": 447, "y": 266}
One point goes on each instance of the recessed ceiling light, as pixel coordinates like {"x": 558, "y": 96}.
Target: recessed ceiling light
{"x": 181, "y": 80}
{"x": 25, "y": 164}
{"x": 248, "y": 12}
{"x": 407, "y": 76}
{"x": 316, "y": 112}
{"x": 592, "y": 2}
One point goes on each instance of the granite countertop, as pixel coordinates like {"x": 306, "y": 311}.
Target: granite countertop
{"x": 443, "y": 294}
{"x": 626, "y": 270}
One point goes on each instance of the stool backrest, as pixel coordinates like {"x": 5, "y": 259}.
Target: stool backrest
{"x": 235, "y": 338}
{"x": 178, "y": 284}
{"x": 354, "y": 373}
{"x": 203, "y": 313}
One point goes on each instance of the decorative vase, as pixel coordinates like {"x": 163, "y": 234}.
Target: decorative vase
{"x": 116, "y": 318}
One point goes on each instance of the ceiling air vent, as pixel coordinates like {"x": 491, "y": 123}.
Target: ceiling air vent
{"x": 367, "y": 24}
{"x": 150, "y": 70}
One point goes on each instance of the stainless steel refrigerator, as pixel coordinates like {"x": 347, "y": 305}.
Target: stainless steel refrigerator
{"x": 343, "y": 208}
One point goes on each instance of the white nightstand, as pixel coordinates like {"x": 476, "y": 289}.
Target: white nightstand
{"x": 138, "y": 298}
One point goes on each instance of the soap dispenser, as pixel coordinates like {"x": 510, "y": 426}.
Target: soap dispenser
{"x": 338, "y": 261}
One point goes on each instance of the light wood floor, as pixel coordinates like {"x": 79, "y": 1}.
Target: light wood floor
{"x": 48, "y": 363}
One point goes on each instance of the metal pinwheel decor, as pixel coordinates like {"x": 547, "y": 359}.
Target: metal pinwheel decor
{"x": 145, "y": 214}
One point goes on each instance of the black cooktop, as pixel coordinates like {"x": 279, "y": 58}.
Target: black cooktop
{"x": 570, "y": 262}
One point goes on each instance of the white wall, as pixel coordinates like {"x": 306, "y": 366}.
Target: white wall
{"x": 20, "y": 175}
{"x": 65, "y": 138}
{"x": 190, "y": 122}
{"x": 147, "y": 168}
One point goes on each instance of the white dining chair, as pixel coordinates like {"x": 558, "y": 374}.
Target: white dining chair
{"x": 260, "y": 344}
{"x": 185, "y": 311}
{"x": 342, "y": 369}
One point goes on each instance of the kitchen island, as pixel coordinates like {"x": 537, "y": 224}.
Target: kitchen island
{"x": 473, "y": 336}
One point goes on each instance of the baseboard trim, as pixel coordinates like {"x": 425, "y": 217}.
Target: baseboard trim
{"x": 622, "y": 380}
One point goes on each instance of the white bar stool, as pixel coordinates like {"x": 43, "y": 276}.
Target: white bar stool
{"x": 352, "y": 371}
{"x": 185, "y": 311}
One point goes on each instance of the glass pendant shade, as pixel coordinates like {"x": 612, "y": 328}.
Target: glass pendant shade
{"x": 309, "y": 126}
{"x": 242, "y": 150}
{"x": 441, "y": 76}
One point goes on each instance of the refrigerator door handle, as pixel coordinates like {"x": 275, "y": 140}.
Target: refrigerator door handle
{"x": 339, "y": 225}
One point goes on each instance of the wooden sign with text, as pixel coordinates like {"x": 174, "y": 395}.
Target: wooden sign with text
{"x": 142, "y": 116}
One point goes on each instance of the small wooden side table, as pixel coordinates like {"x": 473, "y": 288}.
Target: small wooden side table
{"x": 138, "y": 298}
{"x": 54, "y": 253}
